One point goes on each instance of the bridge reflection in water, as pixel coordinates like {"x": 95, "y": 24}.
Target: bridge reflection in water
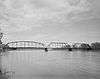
{"x": 37, "y": 45}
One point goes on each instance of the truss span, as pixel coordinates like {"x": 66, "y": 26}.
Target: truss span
{"x": 59, "y": 45}
{"x": 25, "y": 44}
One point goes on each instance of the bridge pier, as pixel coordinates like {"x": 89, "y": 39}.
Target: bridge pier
{"x": 46, "y": 49}
{"x": 70, "y": 49}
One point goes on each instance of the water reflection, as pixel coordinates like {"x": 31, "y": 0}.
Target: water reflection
{"x": 37, "y": 64}
{"x": 3, "y": 74}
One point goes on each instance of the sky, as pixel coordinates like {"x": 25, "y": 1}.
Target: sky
{"x": 50, "y": 20}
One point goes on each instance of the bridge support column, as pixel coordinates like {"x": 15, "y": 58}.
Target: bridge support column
{"x": 70, "y": 49}
{"x": 46, "y": 49}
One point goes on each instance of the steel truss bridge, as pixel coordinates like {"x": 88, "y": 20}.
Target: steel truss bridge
{"x": 59, "y": 45}
{"x": 24, "y": 45}
{"x": 36, "y": 45}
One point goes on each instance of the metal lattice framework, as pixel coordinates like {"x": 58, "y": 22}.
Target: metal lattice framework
{"x": 59, "y": 45}
{"x": 77, "y": 45}
{"x": 25, "y": 44}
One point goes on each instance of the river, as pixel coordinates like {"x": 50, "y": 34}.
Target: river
{"x": 54, "y": 64}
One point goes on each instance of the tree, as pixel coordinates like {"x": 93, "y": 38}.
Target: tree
{"x": 95, "y": 45}
{"x": 1, "y": 35}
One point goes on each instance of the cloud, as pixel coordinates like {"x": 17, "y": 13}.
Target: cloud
{"x": 21, "y": 15}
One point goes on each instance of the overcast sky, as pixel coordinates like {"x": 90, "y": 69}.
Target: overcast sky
{"x": 50, "y": 20}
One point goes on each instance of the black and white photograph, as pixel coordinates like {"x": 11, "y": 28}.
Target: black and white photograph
{"x": 49, "y": 39}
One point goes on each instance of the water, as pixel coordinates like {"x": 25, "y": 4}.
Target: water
{"x": 62, "y": 64}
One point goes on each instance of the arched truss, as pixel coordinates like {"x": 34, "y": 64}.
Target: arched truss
{"x": 77, "y": 45}
{"x": 81, "y": 45}
{"x": 59, "y": 45}
{"x": 25, "y": 44}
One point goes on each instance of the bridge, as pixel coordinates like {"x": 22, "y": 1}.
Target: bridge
{"x": 76, "y": 45}
{"x": 25, "y": 45}
{"x": 36, "y": 45}
{"x": 59, "y": 45}
{"x": 81, "y": 46}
